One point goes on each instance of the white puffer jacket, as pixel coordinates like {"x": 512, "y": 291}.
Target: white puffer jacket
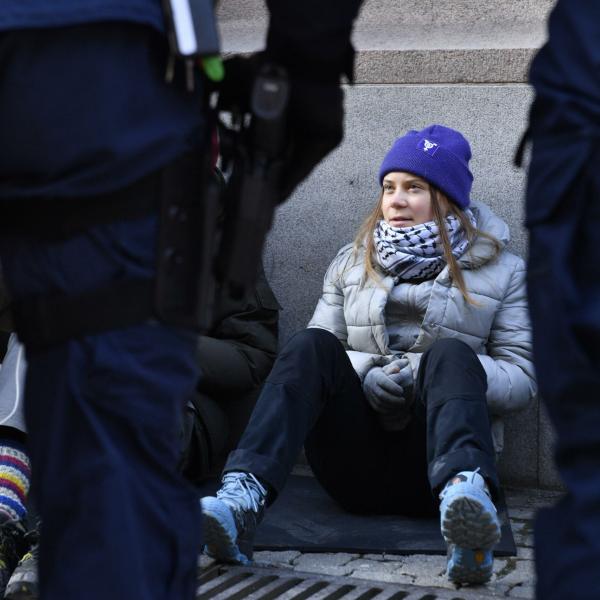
{"x": 498, "y": 330}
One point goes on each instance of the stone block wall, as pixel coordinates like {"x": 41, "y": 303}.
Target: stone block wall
{"x": 462, "y": 63}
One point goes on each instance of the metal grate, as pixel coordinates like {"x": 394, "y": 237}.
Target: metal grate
{"x": 222, "y": 582}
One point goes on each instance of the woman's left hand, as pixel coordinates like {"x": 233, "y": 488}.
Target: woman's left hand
{"x": 403, "y": 375}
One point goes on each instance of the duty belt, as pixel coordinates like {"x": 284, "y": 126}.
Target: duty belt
{"x": 176, "y": 193}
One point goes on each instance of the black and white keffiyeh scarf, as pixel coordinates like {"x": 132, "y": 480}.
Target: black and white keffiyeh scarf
{"x": 417, "y": 252}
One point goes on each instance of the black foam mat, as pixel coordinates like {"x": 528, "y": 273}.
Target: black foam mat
{"x": 305, "y": 518}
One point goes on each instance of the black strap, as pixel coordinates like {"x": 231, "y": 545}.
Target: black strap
{"x": 520, "y": 151}
{"x": 44, "y": 320}
{"x": 60, "y": 218}
{"x": 41, "y": 321}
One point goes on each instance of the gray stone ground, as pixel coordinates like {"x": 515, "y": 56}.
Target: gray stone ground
{"x": 513, "y": 577}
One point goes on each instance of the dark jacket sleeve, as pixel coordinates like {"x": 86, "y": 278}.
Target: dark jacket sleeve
{"x": 312, "y": 37}
{"x": 240, "y": 352}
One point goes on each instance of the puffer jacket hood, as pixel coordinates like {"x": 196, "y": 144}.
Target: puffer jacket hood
{"x": 483, "y": 250}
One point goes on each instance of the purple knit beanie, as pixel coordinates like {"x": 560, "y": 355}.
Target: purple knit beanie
{"x": 439, "y": 155}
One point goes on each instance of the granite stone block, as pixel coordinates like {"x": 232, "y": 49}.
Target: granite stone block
{"x": 549, "y": 476}
{"x": 518, "y": 464}
{"x": 522, "y": 591}
{"x": 514, "y": 572}
{"x": 416, "y": 12}
{"x": 335, "y": 565}
{"x": 279, "y": 559}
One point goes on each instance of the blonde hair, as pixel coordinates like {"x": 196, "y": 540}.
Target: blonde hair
{"x": 441, "y": 207}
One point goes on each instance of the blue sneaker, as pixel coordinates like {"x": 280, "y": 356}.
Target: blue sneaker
{"x": 470, "y": 526}
{"x": 230, "y": 519}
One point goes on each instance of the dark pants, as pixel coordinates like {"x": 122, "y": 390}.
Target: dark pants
{"x": 563, "y": 216}
{"x": 103, "y": 414}
{"x": 314, "y": 397}
{"x": 212, "y": 427}
{"x": 84, "y": 110}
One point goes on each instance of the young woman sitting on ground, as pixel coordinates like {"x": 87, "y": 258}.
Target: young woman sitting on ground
{"x": 420, "y": 340}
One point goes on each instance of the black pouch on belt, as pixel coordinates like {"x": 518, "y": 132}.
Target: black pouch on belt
{"x": 185, "y": 290}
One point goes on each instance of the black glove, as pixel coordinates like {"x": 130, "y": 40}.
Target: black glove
{"x": 315, "y": 118}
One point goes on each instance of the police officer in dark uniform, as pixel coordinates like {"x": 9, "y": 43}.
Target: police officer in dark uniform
{"x": 92, "y": 142}
{"x": 563, "y": 217}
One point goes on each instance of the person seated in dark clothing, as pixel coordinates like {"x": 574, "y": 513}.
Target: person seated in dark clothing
{"x": 417, "y": 347}
{"x": 235, "y": 359}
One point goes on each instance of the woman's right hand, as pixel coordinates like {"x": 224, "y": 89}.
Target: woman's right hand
{"x": 383, "y": 388}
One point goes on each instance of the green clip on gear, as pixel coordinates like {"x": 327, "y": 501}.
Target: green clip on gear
{"x": 213, "y": 67}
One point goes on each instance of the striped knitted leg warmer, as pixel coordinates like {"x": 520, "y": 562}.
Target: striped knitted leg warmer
{"x": 15, "y": 475}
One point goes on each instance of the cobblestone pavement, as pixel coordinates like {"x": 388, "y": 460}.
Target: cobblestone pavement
{"x": 513, "y": 576}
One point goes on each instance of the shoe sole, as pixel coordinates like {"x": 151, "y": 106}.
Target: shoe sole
{"x": 220, "y": 533}
{"x": 468, "y": 523}
{"x": 23, "y": 584}
{"x": 22, "y": 594}
{"x": 469, "y": 566}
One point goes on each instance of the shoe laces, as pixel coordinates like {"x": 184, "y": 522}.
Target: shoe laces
{"x": 242, "y": 490}
{"x": 472, "y": 477}
{"x": 32, "y": 555}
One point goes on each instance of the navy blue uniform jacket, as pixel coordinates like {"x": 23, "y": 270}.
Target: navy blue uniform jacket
{"x": 60, "y": 141}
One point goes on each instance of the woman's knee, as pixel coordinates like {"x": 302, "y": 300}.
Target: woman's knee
{"x": 455, "y": 363}
{"x": 308, "y": 351}
{"x": 314, "y": 339}
{"x": 450, "y": 350}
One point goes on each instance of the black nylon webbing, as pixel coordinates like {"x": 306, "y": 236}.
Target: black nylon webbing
{"x": 48, "y": 319}
{"x": 59, "y": 218}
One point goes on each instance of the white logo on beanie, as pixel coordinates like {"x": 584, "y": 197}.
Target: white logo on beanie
{"x": 427, "y": 146}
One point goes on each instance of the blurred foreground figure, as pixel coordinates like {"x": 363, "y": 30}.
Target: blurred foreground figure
{"x": 563, "y": 217}
{"x": 94, "y": 145}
